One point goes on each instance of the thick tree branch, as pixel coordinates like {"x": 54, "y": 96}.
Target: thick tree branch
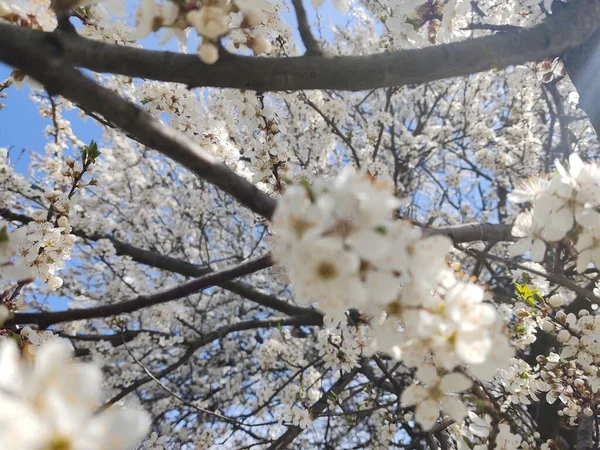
{"x": 562, "y": 31}
{"x": 491, "y": 27}
{"x": 475, "y": 232}
{"x": 45, "y": 319}
{"x": 44, "y": 62}
{"x": 583, "y": 64}
{"x": 115, "y": 339}
{"x": 585, "y": 433}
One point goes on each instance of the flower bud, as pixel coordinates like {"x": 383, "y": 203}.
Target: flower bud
{"x": 561, "y": 316}
{"x": 210, "y": 22}
{"x": 563, "y": 336}
{"x": 63, "y": 222}
{"x": 252, "y": 18}
{"x": 39, "y": 216}
{"x": 208, "y": 52}
{"x": 547, "y": 326}
{"x": 588, "y": 411}
{"x": 54, "y": 283}
{"x": 260, "y": 44}
{"x": 50, "y": 194}
{"x": 555, "y": 301}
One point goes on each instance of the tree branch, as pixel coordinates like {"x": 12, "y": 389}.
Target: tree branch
{"x": 176, "y": 265}
{"x": 585, "y": 433}
{"x": 583, "y": 64}
{"x": 562, "y": 31}
{"x": 43, "y": 60}
{"x": 219, "y": 333}
{"x": 45, "y": 319}
{"x": 472, "y": 232}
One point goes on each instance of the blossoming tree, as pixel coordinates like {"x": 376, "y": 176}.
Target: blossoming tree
{"x": 366, "y": 224}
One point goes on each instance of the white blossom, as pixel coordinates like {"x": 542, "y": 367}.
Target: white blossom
{"x": 50, "y": 403}
{"x": 436, "y": 393}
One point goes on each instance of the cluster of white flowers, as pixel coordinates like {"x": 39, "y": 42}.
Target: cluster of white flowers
{"x": 155, "y": 442}
{"x": 341, "y": 345}
{"x": 298, "y": 416}
{"x": 50, "y": 403}
{"x": 468, "y": 435}
{"x": 28, "y": 14}
{"x": 277, "y": 350}
{"x": 8, "y": 249}
{"x": 476, "y": 435}
{"x": 277, "y": 353}
{"x": 519, "y": 382}
{"x": 564, "y": 206}
{"x": 263, "y": 136}
{"x": 417, "y": 21}
{"x": 524, "y": 319}
{"x": 32, "y": 340}
{"x": 211, "y": 20}
{"x": 44, "y": 246}
{"x": 343, "y": 248}
{"x": 572, "y": 376}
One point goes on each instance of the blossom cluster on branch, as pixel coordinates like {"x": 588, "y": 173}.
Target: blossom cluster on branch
{"x": 563, "y": 209}
{"x": 343, "y": 248}
{"x": 212, "y": 20}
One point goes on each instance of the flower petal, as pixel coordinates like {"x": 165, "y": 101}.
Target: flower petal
{"x": 452, "y": 406}
{"x": 426, "y": 414}
{"x": 455, "y": 382}
{"x": 413, "y": 394}
{"x": 427, "y": 374}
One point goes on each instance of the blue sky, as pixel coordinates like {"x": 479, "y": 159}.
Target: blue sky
{"x": 22, "y": 127}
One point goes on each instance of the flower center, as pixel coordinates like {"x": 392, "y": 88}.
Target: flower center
{"x": 59, "y": 443}
{"x": 326, "y": 270}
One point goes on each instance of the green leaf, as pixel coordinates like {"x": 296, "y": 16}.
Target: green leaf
{"x": 527, "y": 294}
{"x": 381, "y": 230}
{"x": 90, "y": 153}
{"x": 4, "y": 234}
